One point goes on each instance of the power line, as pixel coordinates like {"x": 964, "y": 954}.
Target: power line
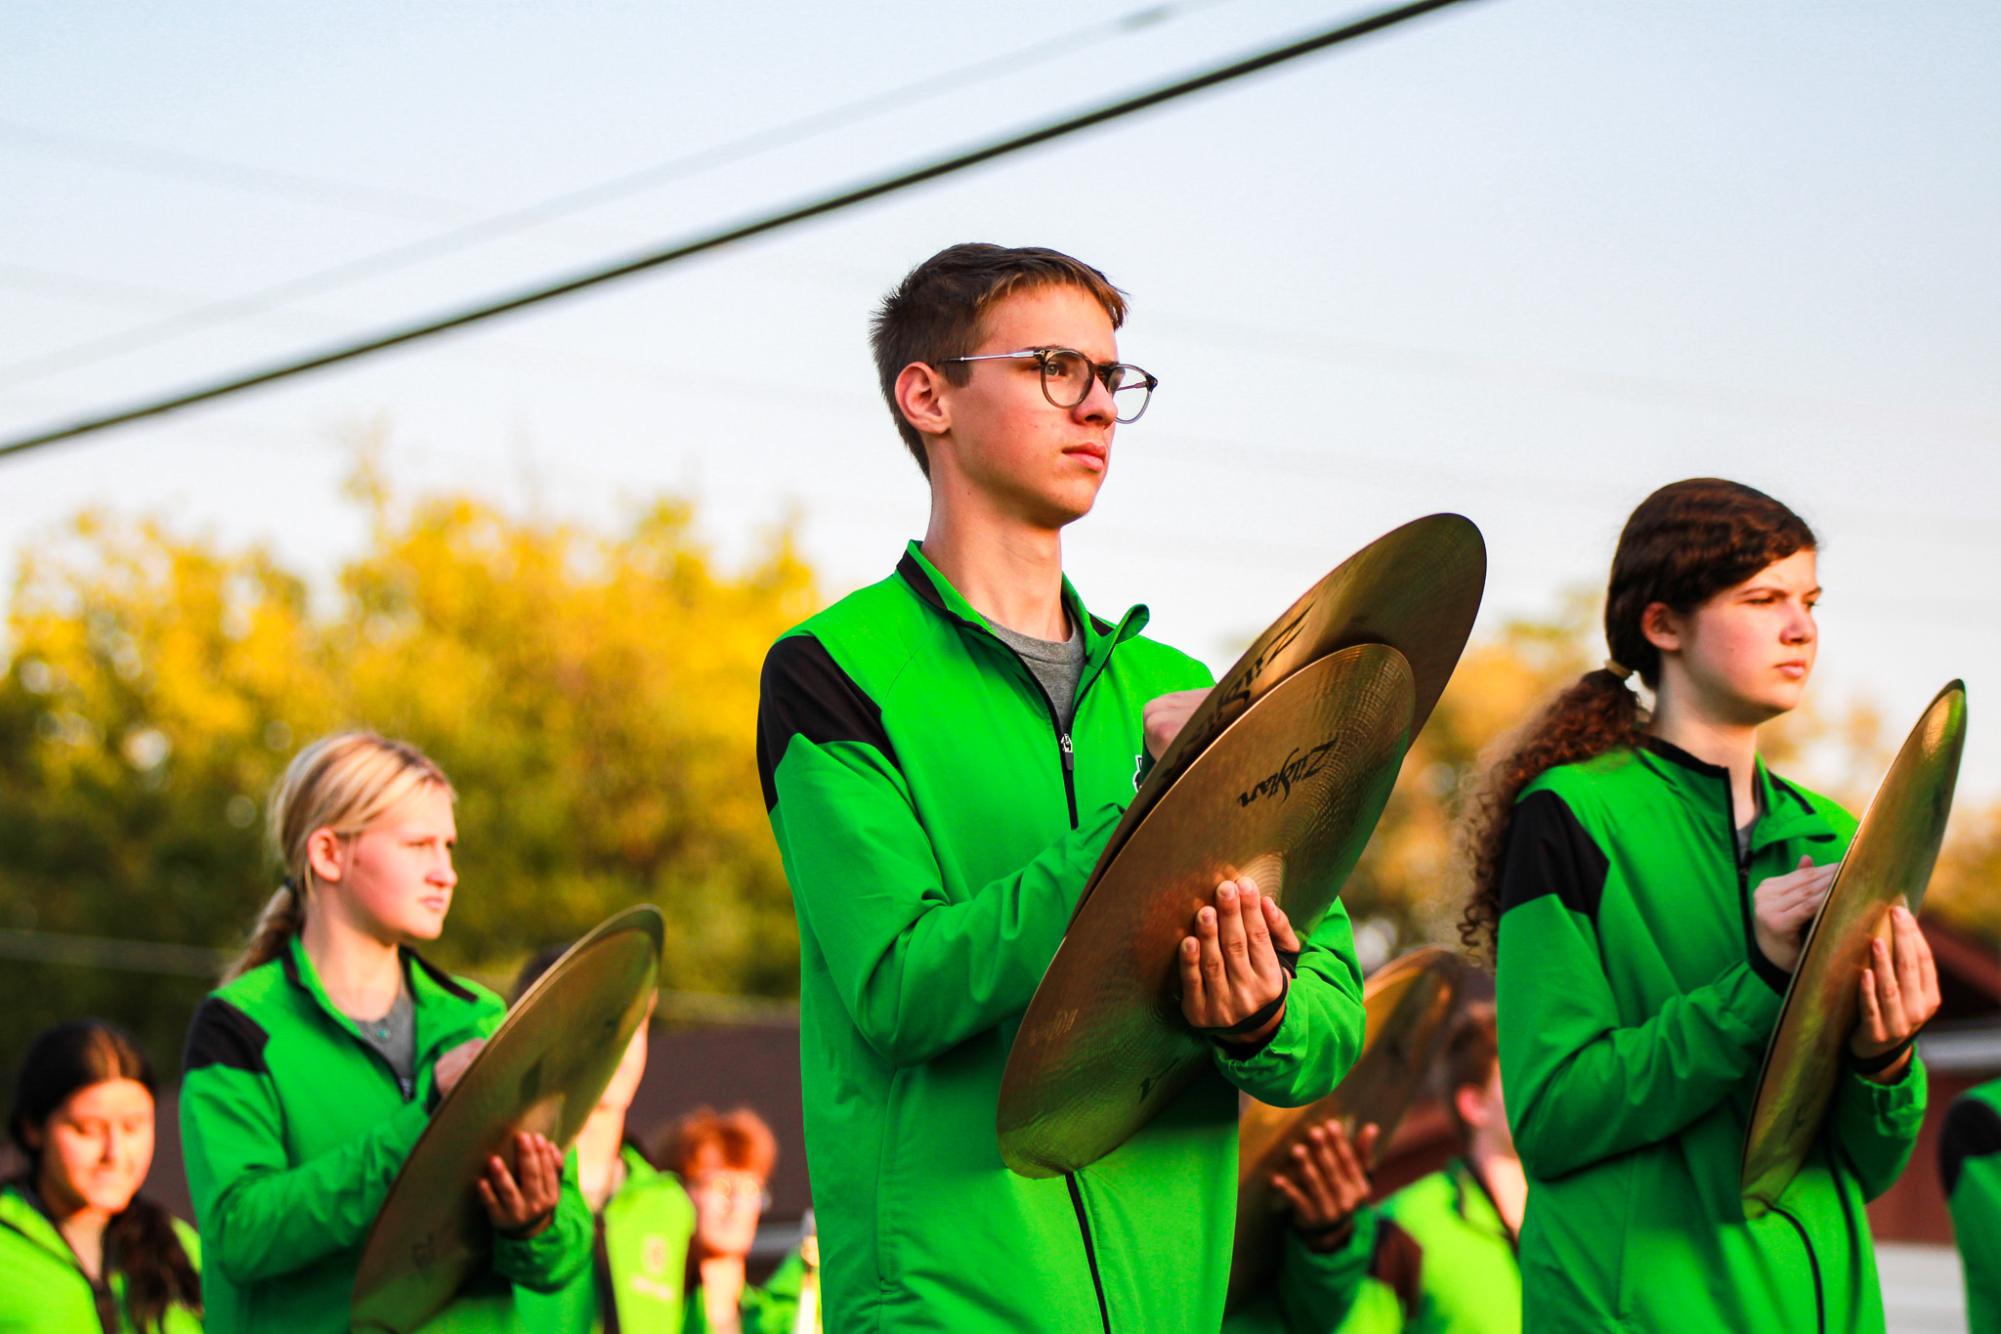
{"x": 157, "y": 957}
{"x": 161, "y": 958}
{"x": 174, "y": 162}
{"x": 821, "y": 207}
{"x": 555, "y": 207}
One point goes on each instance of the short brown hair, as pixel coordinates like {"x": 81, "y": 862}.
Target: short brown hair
{"x": 740, "y": 1137}
{"x": 934, "y": 313}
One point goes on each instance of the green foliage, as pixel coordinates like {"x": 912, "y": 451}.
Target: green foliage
{"x": 593, "y": 699}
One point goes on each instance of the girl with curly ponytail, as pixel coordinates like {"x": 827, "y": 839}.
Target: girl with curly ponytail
{"x": 1643, "y": 882}
{"x": 79, "y": 1249}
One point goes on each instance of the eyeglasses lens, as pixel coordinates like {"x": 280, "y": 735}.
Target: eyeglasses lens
{"x": 1066, "y": 378}
{"x": 1130, "y": 398}
{"x": 1066, "y": 381}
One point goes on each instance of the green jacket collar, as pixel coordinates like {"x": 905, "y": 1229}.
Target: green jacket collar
{"x": 432, "y": 989}
{"x": 1786, "y": 812}
{"x": 637, "y": 1169}
{"x": 20, "y": 1212}
{"x": 936, "y": 591}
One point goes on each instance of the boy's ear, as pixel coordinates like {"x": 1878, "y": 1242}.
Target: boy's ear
{"x": 1470, "y": 1102}
{"x": 920, "y": 397}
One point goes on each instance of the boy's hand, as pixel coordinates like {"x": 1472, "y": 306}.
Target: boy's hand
{"x": 1229, "y": 967}
{"x": 1164, "y": 717}
{"x": 520, "y": 1203}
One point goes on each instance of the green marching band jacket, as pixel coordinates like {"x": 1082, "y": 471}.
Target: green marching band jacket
{"x": 639, "y": 1261}
{"x": 294, "y": 1128}
{"x": 43, "y": 1289}
{"x": 1970, "y": 1164}
{"x": 936, "y": 825}
{"x": 770, "y": 1307}
{"x": 1634, "y": 1011}
{"x": 1434, "y": 1258}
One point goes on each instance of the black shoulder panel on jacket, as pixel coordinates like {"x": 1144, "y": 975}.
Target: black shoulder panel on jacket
{"x": 913, "y": 574}
{"x": 223, "y": 1035}
{"x": 1972, "y": 1130}
{"x": 805, "y": 693}
{"x": 1549, "y": 853}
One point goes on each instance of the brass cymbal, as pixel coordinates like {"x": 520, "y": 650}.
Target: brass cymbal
{"x": 1416, "y": 588}
{"x": 542, "y": 1071}
{"x": 1890, "y": 858}
{"x": 1410, "y": 1001}
{"x": 1288, "y": 795}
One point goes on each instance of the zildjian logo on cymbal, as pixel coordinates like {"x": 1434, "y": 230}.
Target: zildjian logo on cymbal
{"x": 1238, "y": 688}
{"x": 1297, "y": 766}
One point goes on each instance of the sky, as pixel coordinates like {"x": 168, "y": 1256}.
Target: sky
{"x": 1524, "y": 260}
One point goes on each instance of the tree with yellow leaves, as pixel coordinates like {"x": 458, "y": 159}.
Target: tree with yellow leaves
{"x": 592, "y": 697}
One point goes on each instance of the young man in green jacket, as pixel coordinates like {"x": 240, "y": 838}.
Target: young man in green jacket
{"x": 1969, "y": 1154}
{"x": 944, "y": 755}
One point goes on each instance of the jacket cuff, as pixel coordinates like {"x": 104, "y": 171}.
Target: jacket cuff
{"x": 1353, "y": 1252}
{"x": 1889, "y": 1106}
{"x": 1277, "y": 1051}
{"x": 1773, "y": 976}
{"x": 1233, "y": 1039}
{"x": 547, "y": 1261}
{"x": 1333, "y": 1274}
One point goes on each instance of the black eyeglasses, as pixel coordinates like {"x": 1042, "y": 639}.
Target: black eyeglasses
{"x": 1067, "y": 375}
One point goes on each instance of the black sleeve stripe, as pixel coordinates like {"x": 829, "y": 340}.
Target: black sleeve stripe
{"x": 1549, "y": 853}
{"x": 1972, "y": 1130}
{"x": 804, "y": 692}
{"x": 223, "y": 1035}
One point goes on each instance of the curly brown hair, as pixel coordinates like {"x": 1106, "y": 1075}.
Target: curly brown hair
{"x": 739, "y": 1138}
{"x": 1685, "y": 543}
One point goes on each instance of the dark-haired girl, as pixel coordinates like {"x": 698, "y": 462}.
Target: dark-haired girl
{"x": 1645, "y": 881}
{"x": 79, "y": 1250}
